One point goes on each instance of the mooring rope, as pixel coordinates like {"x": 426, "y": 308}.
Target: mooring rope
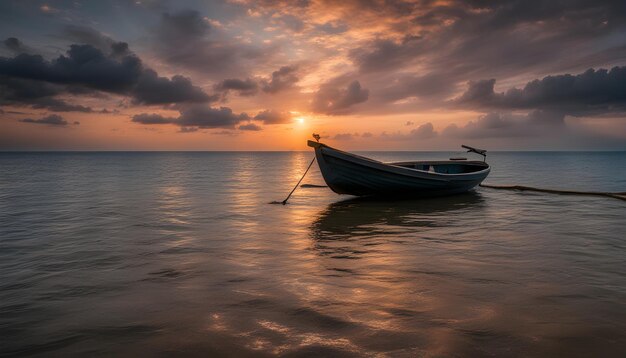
{"x": 284, "y": 202}
{"x": 620, "y": 195}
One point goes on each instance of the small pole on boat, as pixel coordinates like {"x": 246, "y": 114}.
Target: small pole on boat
{"x": 476, "y": 150}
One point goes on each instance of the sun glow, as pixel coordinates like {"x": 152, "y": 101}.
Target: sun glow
{"x": 300, "y": 120}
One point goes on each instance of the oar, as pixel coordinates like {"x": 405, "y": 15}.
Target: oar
{"x": 284, "y": 202}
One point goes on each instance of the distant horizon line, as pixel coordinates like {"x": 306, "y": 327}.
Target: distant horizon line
{"x": 291, "y": 151}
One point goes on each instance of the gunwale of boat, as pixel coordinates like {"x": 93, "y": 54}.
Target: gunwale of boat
{"x": 397, "y": 168}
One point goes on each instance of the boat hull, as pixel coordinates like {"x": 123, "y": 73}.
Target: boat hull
{"x": 346, "y": 173}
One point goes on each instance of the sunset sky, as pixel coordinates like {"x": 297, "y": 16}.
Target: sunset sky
{"x": 264, "y": 75}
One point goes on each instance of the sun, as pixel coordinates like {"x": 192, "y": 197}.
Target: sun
{"x": 300, "y": 120}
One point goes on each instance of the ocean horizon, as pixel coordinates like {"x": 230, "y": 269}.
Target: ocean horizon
{"x": 309, "y": 151}
{"x": 179, "y": 253}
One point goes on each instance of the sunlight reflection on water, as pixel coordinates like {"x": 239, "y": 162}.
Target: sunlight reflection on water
{"x": 179, "y": 253}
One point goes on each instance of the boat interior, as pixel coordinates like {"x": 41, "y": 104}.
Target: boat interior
{"x": 444, "y": 167}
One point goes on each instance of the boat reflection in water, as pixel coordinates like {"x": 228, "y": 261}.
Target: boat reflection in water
{"x": 452, "y": 276}
{"x": 364, "y": 223}
{"x": 405, "y": 272}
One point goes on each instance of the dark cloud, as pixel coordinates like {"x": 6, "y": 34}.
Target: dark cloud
{"x": 507, "y": 125}
{"x": 332, "y": 99}
{"x": 273, "y": 117}
{"x": 478, "y": 92}
{"x": 87, "y": 66}
{"x": 187, "y": 39}
{"x": 509, "y": 14}
{"x": 198, "y": 116}
{"x": 511, "y": 27}
{"x": 87, "y": 36}
{"x": 84, "y": 65}
{"x": 52, "y": 120}
{"x": 226, "y": 132}
{"x": 119, "y": 49}
{"x": 39, "y": 95}
{"x": 290, "y": 22}
{"x": 146, "y": 118}
{"x": 152, "y": 89}
{"x": 591, "y": 92}
{"x": 32, "y": 80}
{"x": 208, "y": 117}
{"x": 247, "y": 87}
{"x": 250, "y": 127}
{"x": 186, "y": 24}
{"x": 456, "y": 41}
{"x": 182, "y": 38}
{"x": 386, "y": 54}
{"x": 424, "y": 131}
{"x": 57, "y": 105}
{"x": 15, "y": 45}
{"x": 282, "y": 79}
{"x": 495, "y": 125}
{"x": 17, "y": 90}
{"x": 187, "y": 129}
{"x": 424, "y": 86}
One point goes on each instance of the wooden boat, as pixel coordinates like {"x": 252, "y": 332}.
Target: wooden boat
{"x": 347, "y": 173}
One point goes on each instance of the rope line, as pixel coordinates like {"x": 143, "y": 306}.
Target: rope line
{"x": 284, "y": 202}
{"x": 620, "y": 195}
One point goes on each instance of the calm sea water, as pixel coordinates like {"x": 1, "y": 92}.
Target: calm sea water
{"x": 144, "y": 254}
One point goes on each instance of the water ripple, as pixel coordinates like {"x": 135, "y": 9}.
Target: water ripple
{"x": 178, "y": 254}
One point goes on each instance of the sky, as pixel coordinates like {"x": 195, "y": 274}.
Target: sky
{"x": 265, "y": 75}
